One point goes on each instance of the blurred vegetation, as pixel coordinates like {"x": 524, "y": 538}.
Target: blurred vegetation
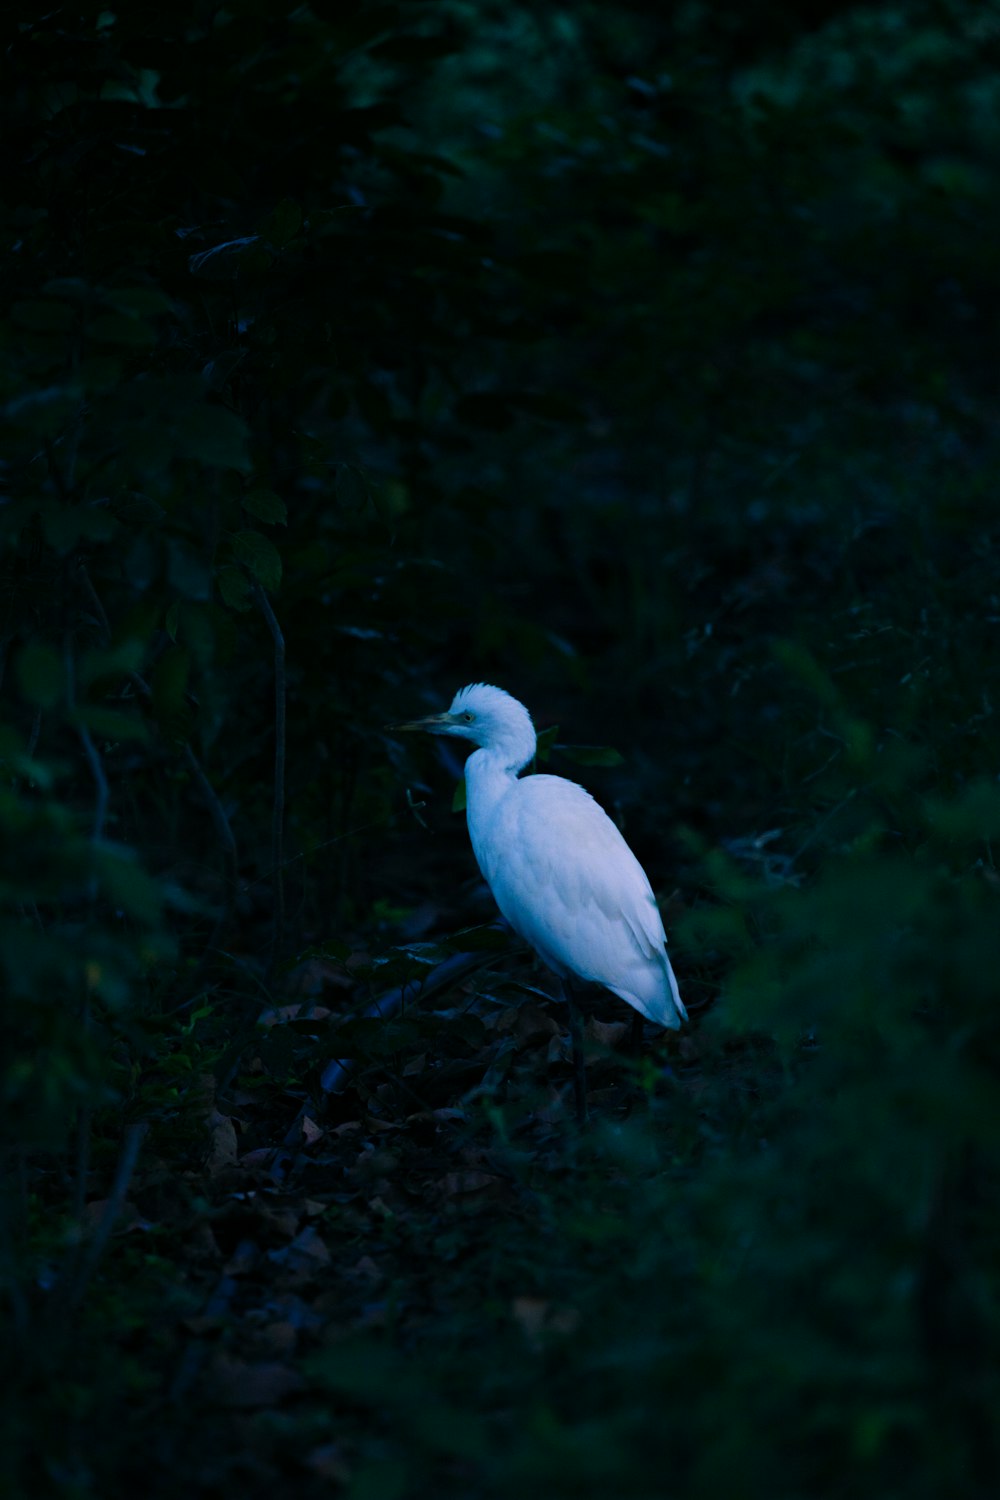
{"x": 642, "y": 362}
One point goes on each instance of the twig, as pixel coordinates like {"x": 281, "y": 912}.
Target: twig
{"x": 278, "y": 821}
{"x": 216, "y": 811}
{"x": 100, "y": 781}
{"x": 84, "y": 1124}
{"x": 90, "y": 750}
{"x": 215, "y": 808}
{"x": 36, "y": 729}
{"x": 216, "y": 1309}
{"x": 337, "y": 1073}
{"x": 95, "y": 600}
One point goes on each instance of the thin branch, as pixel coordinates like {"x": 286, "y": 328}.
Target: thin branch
{"x": 100, "y": 782}
{"x": 90, "y": 751}
{"x": 337, "y": 1073}
{"x": 216, "y": 811}
{"x": 215, "y": 808}
{"x": 36, "y": 729}
{"x": 95, "y": 600}
{"x": 84, "y": 1135}
{"x": 278, "y": 820}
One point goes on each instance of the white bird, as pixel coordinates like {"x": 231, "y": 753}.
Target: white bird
{"x": 560, "y": 871}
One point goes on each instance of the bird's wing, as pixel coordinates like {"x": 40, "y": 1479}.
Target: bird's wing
{"x": 564, "y": 878}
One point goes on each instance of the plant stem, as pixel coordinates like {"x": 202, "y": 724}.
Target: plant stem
{"x": 278, "y": 819}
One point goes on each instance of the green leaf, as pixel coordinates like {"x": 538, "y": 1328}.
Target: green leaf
{"x": 195, "y": 629}
{"x": 117, "y": 662}
{"x": 121, "y": 328}
{"x": 139, "y": 301}
{"x": 73, "y": 288}
{"x": 351, "y": 487}
{"x": 801, "y": 664}
{"x": 109, "y": 723}
{"x": 189, "y": 573}
{"x": 45, "y": 411}
{"x": 458, "y": 802}
{"x": 66, "y": 524}
{"x": 40, "y": 674}
{"x": 213, "y": 435}
{"x": 234, "y": 588}
{"x": 266, "y": 506}
{"x": 169, "y": 684}
{"x": 44, "y": 317}
{"x": 545, "y": 743}
{"x": 172, "y": 619}
{"x": 283, "y": 224}
{"x": 35, "y": 772}
{"x": 128, "y": 884}
{"x": 260, "y": 556}
{"x": 222, "y": 262}
{"x": 973, "y": 815}
{"x": 591, "y": 755}
{"x": 486, "y": 939}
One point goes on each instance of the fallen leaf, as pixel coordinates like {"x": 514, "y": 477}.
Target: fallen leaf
{"x": 608, "y": 1033}
{"x": 243, "y": 1259}
{"x": 260, "y": 1157}
{"x": 435, "y": 1116}
{"x": 306, "y": 1253}
{"x": 329, "y": 1463}
{"x": 235, "y": 1383}
{"x": 224, "y": 1143}
{"x": 279, "y": 1014}
{"x": 277, "y": 1339}
{"x": 536, "y": 1316}
{"x": 529, "y": 1023}
{"x": 530, "y": 1314}
{"x": 453, "y": 1183}
{"x": 559, "y": 1049}
{"x": 365, "y": 1270}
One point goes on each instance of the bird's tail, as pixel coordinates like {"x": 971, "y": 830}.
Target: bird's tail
{"x": 674, "y": 991}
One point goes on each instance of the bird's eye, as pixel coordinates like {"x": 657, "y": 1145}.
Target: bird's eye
{"x": 468, "y": 717}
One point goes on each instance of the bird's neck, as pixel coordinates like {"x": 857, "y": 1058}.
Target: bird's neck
{"x": 489, "y": 775}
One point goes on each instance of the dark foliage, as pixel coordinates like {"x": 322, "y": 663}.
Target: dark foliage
{"x": 644, "y": 364}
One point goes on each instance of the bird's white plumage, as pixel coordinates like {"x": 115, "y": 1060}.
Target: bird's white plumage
{"x": 566, "y": 880}
{"x": 559, "y": 869}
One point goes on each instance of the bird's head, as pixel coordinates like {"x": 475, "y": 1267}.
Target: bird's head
{"x": 488, "y": 717}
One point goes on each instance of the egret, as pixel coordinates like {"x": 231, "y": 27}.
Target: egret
{"x": 559, "y": 869}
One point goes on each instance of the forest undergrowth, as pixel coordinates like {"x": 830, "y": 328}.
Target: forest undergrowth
{"x": 643, "y": 366}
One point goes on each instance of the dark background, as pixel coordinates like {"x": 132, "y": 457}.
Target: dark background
{"x": 646, "y": 366}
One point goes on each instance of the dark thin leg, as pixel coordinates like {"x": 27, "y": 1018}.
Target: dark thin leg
{"x": 635, "y": 1035}
{"x": 576, "y": 1041}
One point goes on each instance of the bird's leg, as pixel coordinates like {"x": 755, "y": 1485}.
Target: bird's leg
{"x": 635, "y": 1034}
{"x": 576, "y": 1043}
